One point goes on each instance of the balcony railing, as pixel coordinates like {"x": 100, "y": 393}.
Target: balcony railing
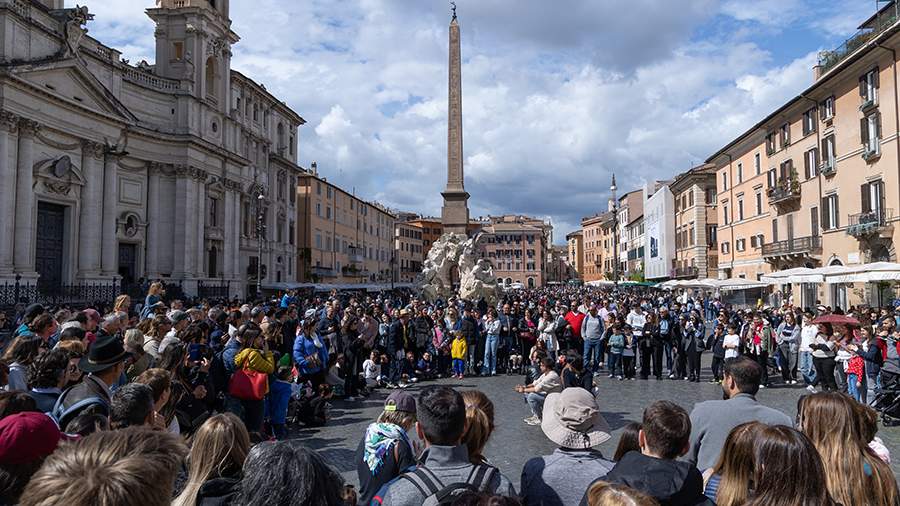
{"x": 786, "y": 191}
{"x": 871, "y": 222}
{"x": 356, "y": 254}
{"x": 879, "y": 23}
{"x": 795, "y": 246}
{"x": 324, "y": 272}
{"x": 685, "y": 272}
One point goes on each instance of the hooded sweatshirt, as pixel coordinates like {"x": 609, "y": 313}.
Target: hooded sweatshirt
{"x": 671, "y": 482}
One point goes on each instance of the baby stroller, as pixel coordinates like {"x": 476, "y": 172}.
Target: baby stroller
{"x": 887, "y": 403}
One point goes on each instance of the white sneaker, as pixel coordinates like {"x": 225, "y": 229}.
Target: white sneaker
{"x": 402, "y": 385}
{"x": 533, "y": 420}
{"x": 762, "y": 386}
{"x": 811, "y": 389}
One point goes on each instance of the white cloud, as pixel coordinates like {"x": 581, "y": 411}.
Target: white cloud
{"x": 554, "y": 99}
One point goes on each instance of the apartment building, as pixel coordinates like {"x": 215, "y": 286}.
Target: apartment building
{"x": 598, "y": 233}
{"x": 696, "y": 253}
{"x": 409, "y": 248}
{"x": 341, "y": 239}
{"x": 631, "y": 235}
{"x": 816, "y": 182}
{"x": 575, "y": 247}
{"x": 517, "y": 247}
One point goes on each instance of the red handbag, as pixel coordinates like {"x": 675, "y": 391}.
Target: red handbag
{"x": 247, "y": 384}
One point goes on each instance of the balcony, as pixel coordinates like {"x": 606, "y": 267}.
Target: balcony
{"x": 828, "y": 168}
{"x": 870, "y": 223}
{"x": 357, "y": 255}
{"x": 880, "y": 22}
{"x": 786, "y": 191}
{"x": 323, "y": 272}
{"x": 798, "y": 246}
{"x": 685, "y": 272}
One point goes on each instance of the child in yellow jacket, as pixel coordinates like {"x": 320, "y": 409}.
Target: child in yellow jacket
{"x": 458, "y": 350}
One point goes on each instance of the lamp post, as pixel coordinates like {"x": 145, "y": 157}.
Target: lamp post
{"x": 615, "y": 210}
{"x": 260, "y": 232}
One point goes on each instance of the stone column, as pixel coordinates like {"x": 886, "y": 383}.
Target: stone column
{"x": 230, "y": 238}
{"x": 109, "y": 253}
{"x": 153, "y": 246}
{"x": 91, "y": 201}
{"x": 8, "y": 131}
{"x": 24, "y": 215}
{"x": 200, "y": 237}
{"x": 179, "y": 243}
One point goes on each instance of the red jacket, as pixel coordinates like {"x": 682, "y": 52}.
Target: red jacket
{"x": 882, "y": 345}
{"x": 575, "y": 321}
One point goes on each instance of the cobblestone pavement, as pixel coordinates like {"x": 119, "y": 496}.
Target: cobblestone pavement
{"x": 514, "y": 442}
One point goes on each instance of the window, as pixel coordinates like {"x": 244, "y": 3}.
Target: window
{"x": 328, "y": 212}
{"x": 328, "y": 192}
{"x": 814, "y": 221}
{"x": 292, "y": 190}
{"x": 754, "y": 241}
{"x": 725, "y": 213}
{"x": 691, "y": 198}
{"x": 811, "y": 163}
{"x": 726, "y": 248}
{"x": 784, "y": 135}
{"x": 318, "y": 188}
{"x": 291, "y": 227}
{"x": 826, "y": 109}
{"x": 772, "y": 178}
{"x": 318, "y": 209}
{"x": 711, "y": 232}
{"x": 213, "y": 212}
{"x": 809, "y": 121}
{"x": 787, "y": 170}
{"x": 828, "y": 153}
{"x": 758, "y": 203}
{"x": 740, "y": 244}
{"x": 830, "y": 219}
{"x": 178, "y": 50}
{"x": 868, "y": 88}
{"x": 740, "y": 207}
{"x": 872, "y": 194}
{"x": 255, "y": 112}
{"x": 211, "y": 73}
{"x": 770, "y": 143}
{"x": 318, "y": 241}
{"x": 724, "y": 181}
{"x": 710, "y": 196}
{"x": 775, "y": 230}
{"x": 757, "y": 164}
{"x": 740, "y": 173}
{"x": 870, "y": 133}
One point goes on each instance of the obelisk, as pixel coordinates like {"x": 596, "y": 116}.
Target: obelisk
{"x": 455, "y": 213}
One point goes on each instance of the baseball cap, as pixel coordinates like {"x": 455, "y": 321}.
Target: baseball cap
{"x": 177, "y": 316}
{"x": 400, "y": 401}
{"x": 26, "y": 437}
{"x": 310, "y": 313}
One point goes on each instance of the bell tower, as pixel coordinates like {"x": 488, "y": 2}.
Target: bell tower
{"x": 193, "y": 44}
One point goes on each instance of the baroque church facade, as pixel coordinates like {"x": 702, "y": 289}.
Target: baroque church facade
{"x": 112, "y": 171}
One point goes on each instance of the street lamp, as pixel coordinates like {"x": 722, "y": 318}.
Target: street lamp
{"x": 260, "y": 231}
{"x": 615, "y": 210}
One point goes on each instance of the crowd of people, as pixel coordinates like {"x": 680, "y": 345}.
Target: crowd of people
{"x": 162, "y": 401}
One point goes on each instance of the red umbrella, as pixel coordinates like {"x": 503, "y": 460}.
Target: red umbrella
{"x": 838, "y": 319}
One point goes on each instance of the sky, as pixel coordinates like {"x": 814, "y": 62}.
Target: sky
{"x": 557, "y": 96}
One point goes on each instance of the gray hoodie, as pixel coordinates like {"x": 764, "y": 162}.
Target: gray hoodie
{"x": 450, "y": 464}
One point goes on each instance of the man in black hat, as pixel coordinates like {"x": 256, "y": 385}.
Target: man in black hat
{"x": 104, "y": 365}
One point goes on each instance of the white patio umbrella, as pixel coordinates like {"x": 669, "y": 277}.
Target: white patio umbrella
{"x": 866, "y": 273}
{"x": 795, "y": 275}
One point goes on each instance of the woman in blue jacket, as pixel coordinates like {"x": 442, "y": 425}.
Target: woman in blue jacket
{"x": 310, "y": 353}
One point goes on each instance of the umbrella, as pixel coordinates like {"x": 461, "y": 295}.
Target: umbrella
{"x": 838, "y": 319}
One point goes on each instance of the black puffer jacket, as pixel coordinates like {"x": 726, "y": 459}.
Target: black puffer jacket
{"x": 671, "y": 482}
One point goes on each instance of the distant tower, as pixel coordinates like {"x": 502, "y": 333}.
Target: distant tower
{"x": 455, "y": 213}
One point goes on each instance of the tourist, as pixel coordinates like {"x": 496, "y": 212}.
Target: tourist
{"x": 546, "y": 327}
{"x": 104, "y": 365}
{"x": 808, "y": 333}
{"x": 309, "y": 352}
{"x": 572, "y": 420}
{"x": 823, "y": 354}
{"x": 140, "y": 360}
{"x": 611, "y": 494}
{"x": 728, "y": 482}
{"x": 693, "y": 343}
{"x": 130, "y": 467}
{"x": 759, "y": 344}
{"x": 479, "y": 424}
{"x": 459, "y": 352}
{"x": 667, "y": 332}
{"x": 856, "y": 475}
{"x": 712, "y": 421}
{"x": 492, "y": 330}
{"x": 47, "y": 377}
{"x": 535, "y": 393}
{"x": 397, "y": 339}
{"x": 159, "y": 327}
{"x": 372, "y": 371}
{"x": 788, "y": 337}
{"x": 779, "y": 479}
{"x": 575, "y": 376}
{"x": 132, "y": 405}
{"x": 648, "y": 344}
{"x": 628, "y": 440}
{"x": 664, "y": 437}
{"x": 386, "y": 450}
{"x": 441, "y": 414}
{"x": 20, "y": 355}
{"x": 214, "y": 465}
{"x": 616, "y": 345}
{"x": 304, "y": 478}
{"x": 255, "y": 356}
{"x": 716, "y": 343}
{"x": 26, "y": 439}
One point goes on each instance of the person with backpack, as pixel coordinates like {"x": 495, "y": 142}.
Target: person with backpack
{"x": 445, "y": 472}
{"x": 104, "y": 365}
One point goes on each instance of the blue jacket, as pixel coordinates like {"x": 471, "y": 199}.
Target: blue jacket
{"x": 277, "y": 401}
{"x": 304, "y": 347}
{"x": 232, "y": 348}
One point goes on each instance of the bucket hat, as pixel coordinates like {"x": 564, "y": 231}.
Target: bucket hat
{"x": 572, "y": 419}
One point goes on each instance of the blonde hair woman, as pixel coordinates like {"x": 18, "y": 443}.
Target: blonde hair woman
{"x": 855, "y": 473}
{"x": 122, "y": 304}
{"x": 610, "y": 494}
{"x": 479, "y": 424}
{"x": 728, "y": 482}
{"x": 217, "y": 455}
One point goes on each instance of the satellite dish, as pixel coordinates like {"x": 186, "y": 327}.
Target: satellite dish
{"x": 62, "y": 166}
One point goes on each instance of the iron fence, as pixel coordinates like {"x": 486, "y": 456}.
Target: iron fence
{"x": 880, "y": 22}
{"x": 74, "y": 295}
{"x": 213, "y": 290}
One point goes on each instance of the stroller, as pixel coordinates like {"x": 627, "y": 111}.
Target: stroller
{"x": 887, "y": 403}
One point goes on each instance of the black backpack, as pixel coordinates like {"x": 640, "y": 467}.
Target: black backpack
{"x": 63, "y": 415}
{"x": 438, "y": 494}
{"x": 218, "y": 373}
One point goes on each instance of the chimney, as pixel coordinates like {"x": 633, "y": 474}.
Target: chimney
{"x": 314, "y": 168}
{"x": 817, "y": 72}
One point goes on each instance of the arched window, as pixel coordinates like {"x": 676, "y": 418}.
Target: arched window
{"x": 530, "y": 282}
{"x": 280, "y": 133}
{"x": 211, "y": 73}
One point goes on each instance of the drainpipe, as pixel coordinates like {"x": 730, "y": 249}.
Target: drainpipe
{"x": 731, "y": 246}
{"x": 896, "y": 97}
{"x": 819, "y": 180}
